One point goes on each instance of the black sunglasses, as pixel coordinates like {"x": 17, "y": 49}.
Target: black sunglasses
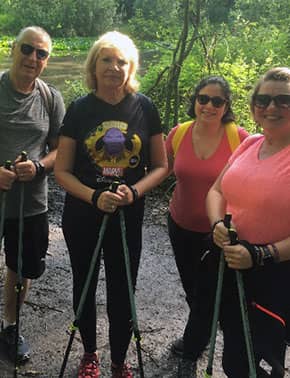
{"x": 263, "y": 100}
{"x": 28, "y": 49}
{"x": 217, "y": 101}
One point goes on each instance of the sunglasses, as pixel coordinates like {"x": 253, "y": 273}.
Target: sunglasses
{"x": 217, "y": 101}
{"x": 28, "y": 49}
{"x": 263, "y": 100}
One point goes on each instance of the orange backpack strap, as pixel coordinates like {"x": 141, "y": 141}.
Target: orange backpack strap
{"x": 178, "y": 136}
{"x": 231, "y": 130}
{"x": 233, "y": 135}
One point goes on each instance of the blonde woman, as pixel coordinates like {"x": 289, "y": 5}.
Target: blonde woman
{"x": 111, "y": 134}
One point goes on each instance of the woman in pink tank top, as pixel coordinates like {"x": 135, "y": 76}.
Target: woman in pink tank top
{"x": 255, "y": 188}
{"x": 203, "y": 152}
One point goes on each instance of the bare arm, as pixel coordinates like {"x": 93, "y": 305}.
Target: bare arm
{"x": 64, "y": 167}
{"x": 237, "y": 256}
{"x": 156, "y": 175}
{"x": 215, "y": 202}
{"x": 49, "y": 159}
{"x": 158, "y": 166}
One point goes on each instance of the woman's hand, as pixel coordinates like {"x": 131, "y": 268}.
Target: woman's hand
{"x": 126, "y": 195}
{"x": 109, "y": 201}
{"x": 221, "y": 235}
{"x": 237, "y": 257}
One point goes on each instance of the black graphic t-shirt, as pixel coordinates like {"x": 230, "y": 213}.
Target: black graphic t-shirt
{"x": 112, "y": 140}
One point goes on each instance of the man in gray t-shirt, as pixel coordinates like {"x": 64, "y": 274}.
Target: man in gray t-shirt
{"x": 30, "y": 116}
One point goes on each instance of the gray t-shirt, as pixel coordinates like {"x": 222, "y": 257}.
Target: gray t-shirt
{"x": 25, "y": 126}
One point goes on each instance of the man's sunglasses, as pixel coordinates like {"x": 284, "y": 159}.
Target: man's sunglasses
{"x": 217, "y": 101}
{"x": 263, "y": 100}
{"x": 28, "y": 49}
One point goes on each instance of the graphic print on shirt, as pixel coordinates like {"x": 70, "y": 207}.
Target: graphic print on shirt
{"x": 111, "y": 150}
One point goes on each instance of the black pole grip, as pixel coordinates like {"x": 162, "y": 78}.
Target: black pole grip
{"x": 232, "y": 233}
{"x": 23, "y": 156}
{"x": 114, "y": 186}
{"x": 8, "y": 164}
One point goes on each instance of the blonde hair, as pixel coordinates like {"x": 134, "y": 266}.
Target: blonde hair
{"x": 126, "y": 46}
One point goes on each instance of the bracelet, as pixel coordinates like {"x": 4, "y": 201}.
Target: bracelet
{"x": 96, "y": 195}
{"x": 134, "y": 192}
{"x": 276, "y": 255}
{"x": 260, "y": 253}
{"x": 268, "y": 258}
{"x": 39, "y": 167}
{"x": 215, "y": 223}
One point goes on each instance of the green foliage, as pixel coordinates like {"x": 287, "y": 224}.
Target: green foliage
{"x": 71, "y": 46}
{"x": 238, "y": 39}
{"x": 61, "y": 17}
{"x": 5, "y": 45}
{"x": 218, "y": 10}
{"x": 158, "y": 22}
{"x": 60, "y": 46}
{"x": 72, "y": 90}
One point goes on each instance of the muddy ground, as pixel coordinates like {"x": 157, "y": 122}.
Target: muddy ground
{"x": 161, "y": 307}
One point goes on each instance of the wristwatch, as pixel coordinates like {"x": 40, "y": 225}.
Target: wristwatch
{"x": 40, "y": 168}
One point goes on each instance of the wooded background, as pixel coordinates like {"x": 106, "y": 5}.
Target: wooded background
{"x": 180, "y": 41}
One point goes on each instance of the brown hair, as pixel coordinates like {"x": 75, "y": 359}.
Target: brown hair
{"x": 274, "y": 74}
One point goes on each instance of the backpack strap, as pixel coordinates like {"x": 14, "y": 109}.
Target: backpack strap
{"x": 46, "y": 94}
{"x": 178, "y": 136}
{"x": 233, "y": 135}
{"x": 231, "y": 131}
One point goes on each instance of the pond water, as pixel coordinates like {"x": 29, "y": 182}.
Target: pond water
{"x": 58, "y": 70}
{"x": 64, "y": 68}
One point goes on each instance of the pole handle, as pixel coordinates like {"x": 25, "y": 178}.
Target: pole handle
{"x": 114, "y": 186}
{"x": 24, "y": 156}
{"x": 8, "y": 164}
{"x": 232, "y": 233}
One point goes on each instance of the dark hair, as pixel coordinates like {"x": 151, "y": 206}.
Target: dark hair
{"x": 274, "y": 74}
{"x": 229, "y": 115}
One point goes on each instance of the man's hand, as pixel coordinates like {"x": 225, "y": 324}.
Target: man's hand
{"x": 7, "y": 178}
{"x": 25, "y": 170}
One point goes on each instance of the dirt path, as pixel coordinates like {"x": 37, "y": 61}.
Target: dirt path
{"x": 161, "y": 308}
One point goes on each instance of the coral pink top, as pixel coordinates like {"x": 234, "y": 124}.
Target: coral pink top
{"x": 194, "y": 178}
{"x": 258, "y": 192}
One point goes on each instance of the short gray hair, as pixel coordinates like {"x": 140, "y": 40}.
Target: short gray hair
{"x": 126, "y": 46}
{"x": 36, "y": 30}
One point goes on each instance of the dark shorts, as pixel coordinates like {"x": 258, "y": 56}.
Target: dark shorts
{"x": 35, "y": 244}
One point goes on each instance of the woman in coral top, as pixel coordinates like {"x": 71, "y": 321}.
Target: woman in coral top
{"x": 203, "y": 152}
{"x": 255, "y": 188}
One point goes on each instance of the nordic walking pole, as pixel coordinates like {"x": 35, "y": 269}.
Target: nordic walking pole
{"x": 131, "y": 294}
{"x": 19, "y": 286}
{"x": 7, "y": 165}
{"x": 75, "y": 324}
{"x": 218, "y": 295}
{"x": 244, "y": 312}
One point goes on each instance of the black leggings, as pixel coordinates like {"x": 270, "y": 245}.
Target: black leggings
{"x": 198, "y": 273}
{"x": 81, "y": 234}
{"x": 265, "y": 288}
